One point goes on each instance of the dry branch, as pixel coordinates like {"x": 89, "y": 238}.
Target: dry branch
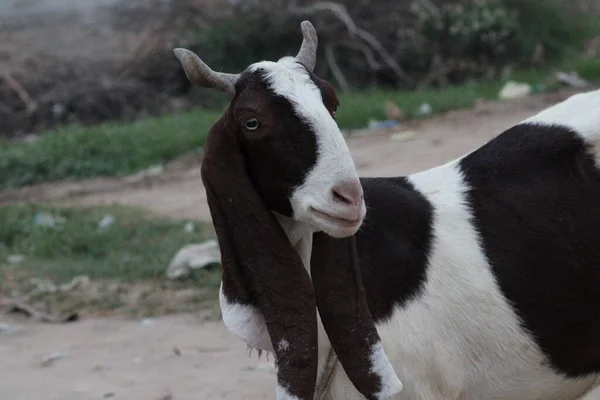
{"x": 20, "y": 91}
{"x": 341, "y": 13}
{"x": 335, "y": 68}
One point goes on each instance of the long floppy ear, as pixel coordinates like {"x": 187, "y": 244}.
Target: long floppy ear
{"x": 260, "y": 266}
{"x": 346, "y": 317}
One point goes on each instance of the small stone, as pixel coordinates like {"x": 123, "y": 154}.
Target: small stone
{"x": 403, "y": 136}
{"x": 15, "y": 258}
{"x": 49, "y": 360}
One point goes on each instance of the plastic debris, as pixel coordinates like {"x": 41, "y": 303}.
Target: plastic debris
{"x": 15, "y": 258}
{"x": 44, "y": 219}
{"x": 374, "y": 124}
{"x": 403, "y": 136}
{"x": 424, "y": 109}
{"x": 514, "y": 90}
{"x": 9, "y": 329}
{"x": 146, "y": 321}
{"x": 571, "y": 79}
{"x": 189, "y": 227}
{"x": 50, "y": 359}
{"x": 193, "y": 256}
{"x": 105, "y": 222}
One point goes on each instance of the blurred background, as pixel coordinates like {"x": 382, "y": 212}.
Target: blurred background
{"x": 108, "y": 266}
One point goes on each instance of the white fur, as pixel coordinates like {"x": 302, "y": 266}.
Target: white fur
{"x": 334, "y": 164}
{"x": 245, "y": 322}
{"x": 283, "y": 394}
{"x": 381, "y": 366}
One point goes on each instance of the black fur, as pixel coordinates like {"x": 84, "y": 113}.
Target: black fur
{"x": 288, "y": 143}
{"x": 397, "y": 274}
{"x": 535, "y": 197}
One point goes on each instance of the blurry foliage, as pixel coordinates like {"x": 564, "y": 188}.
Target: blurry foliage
{"x": 108, "y": 149}
{"x": 434, "y": 41}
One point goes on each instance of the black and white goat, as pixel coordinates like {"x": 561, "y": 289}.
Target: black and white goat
{"x": 481, "y": 276}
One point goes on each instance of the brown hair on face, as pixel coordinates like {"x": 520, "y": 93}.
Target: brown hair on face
{"x": 260, "y": 267}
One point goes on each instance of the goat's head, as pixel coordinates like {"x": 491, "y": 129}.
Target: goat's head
{"x": 284, "y": 119}
{"x": 277, "y": 148}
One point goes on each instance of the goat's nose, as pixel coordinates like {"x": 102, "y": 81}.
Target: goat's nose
{"x": 350, "y": 192}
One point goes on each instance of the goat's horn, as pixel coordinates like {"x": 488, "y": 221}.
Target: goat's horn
{"x": 200, "y": 74}
{"x": 307, "y": 55}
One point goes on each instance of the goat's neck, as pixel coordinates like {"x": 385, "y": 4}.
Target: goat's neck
{"x": 300, "y": 235}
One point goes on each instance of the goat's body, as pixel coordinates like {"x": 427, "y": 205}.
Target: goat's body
{"x": 506, "y": 303}
{"x": 483, "y": 274}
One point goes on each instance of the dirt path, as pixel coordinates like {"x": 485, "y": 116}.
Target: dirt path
{"x": 111, "y": 358}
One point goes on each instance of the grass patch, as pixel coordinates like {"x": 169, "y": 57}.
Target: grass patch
{"x": 131, "y": 255}
{"x": 108, "y": 149}
{"x": 357, "y": 108}
{"x": 116, "y": 149}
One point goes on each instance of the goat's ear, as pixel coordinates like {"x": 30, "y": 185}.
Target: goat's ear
{"x": 260, "y": 266}
{"x": 343, "y": 308}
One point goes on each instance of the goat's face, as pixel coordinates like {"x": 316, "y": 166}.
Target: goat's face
{"x": 297, "y": 158}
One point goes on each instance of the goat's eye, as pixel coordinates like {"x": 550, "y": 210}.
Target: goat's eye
{"x": 252, "y": 124}
{"x": 335, "y": 108}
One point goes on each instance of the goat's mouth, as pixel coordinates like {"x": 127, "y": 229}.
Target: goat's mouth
{"x": 342, "y": 221}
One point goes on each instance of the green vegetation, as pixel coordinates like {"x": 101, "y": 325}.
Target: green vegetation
{"x": 76, "y": 244}
{"x": 358, "y": 107}
{"x": 134, "y": 250}
{"x": 109, "y": 149}
{"x": 112, "y": 149}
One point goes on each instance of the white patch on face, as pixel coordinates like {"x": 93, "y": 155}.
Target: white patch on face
{"x": 390, "y": 384}
{"x": 246, "y": 323}
{"x": 580, "y": 113}
{"x": 334, "y": 164}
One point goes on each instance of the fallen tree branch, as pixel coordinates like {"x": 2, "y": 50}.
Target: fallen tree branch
{"x": 13, "y": 306}
{"x": 341, "y": 12}
{"x": 335, "y": 68}
{"x": 30, "y": 104}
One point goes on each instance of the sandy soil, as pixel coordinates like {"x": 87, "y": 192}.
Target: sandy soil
{"x": 112, "y": 358}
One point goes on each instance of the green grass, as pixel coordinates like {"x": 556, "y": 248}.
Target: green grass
{"x": 109, "y": 149}
{"x": 133, "y": 252}
{"x": 357, "y": 108}
{"x": 116, "y": 149}
{"x": 135, "y": 247}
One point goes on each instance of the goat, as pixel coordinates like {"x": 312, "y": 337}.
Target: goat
{"x": 480, "y": 276}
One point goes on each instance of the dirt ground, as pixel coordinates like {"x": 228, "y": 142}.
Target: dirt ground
{"x": 186, "y": 357}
